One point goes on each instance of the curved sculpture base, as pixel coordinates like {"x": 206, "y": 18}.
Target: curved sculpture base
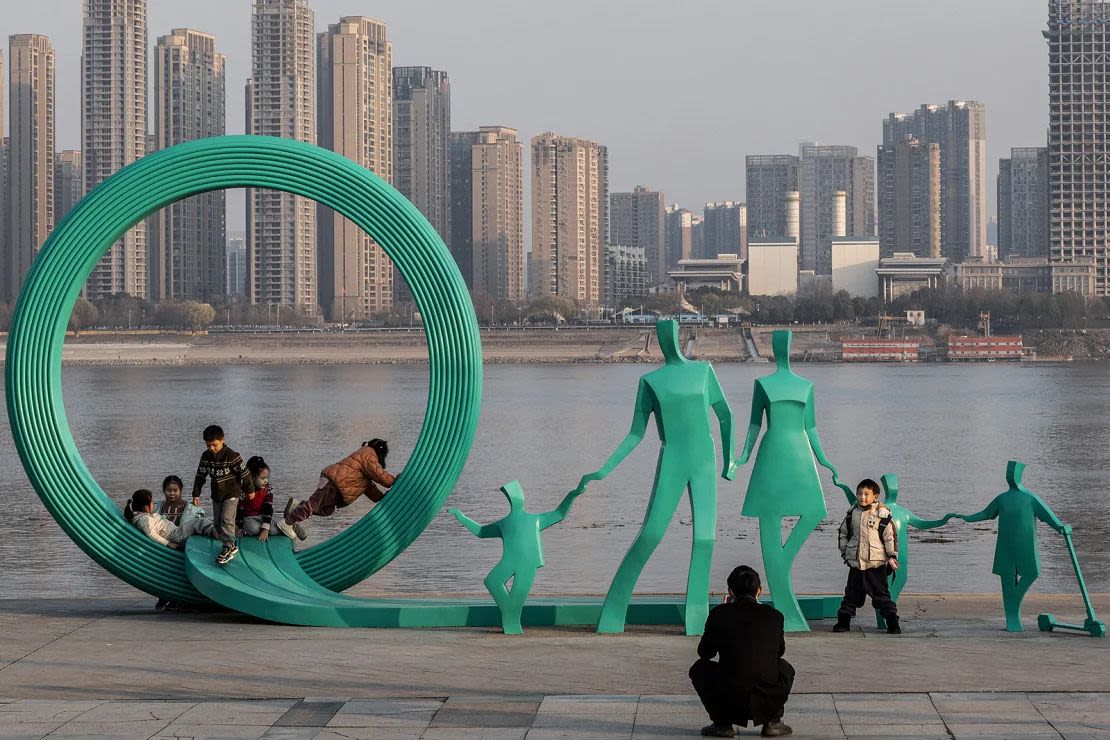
{"x": 267, "y": 582}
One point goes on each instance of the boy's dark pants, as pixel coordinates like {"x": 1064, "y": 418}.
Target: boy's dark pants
{"x": 872, "y": 582}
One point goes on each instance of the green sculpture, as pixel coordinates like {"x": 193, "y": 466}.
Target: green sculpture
{"x": 785, "y": 481}
{"x": 903, "y": 518}
{"x": 680, "y": 394}
{"x": 1092, "y": 625}
{"x": 1016, "y": 561}
{"x": 522, "y": 553}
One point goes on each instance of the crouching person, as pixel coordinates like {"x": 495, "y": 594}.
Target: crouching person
{"x": 751, "y": 681}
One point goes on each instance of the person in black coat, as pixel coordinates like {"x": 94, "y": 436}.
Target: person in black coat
{"x": 751, "y": 681}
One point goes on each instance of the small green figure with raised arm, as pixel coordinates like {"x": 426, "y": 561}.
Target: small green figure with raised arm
{"x": 681, "y": 394}
{"x": 903, "y": 518}
{"x": 522, "y": 551}
{"x": 1016, "y": 561}
{"x": 784, "y": 481}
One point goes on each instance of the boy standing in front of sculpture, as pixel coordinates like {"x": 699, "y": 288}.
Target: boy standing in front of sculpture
{"x": 869, "y": 547}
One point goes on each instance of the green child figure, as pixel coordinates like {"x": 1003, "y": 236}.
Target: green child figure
{"x": 522, "y": 553}
{"x": 1016, "y": 561}
{"x": 903, "y": 518}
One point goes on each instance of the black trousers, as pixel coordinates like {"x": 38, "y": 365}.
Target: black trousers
{"x": 873, "y": 582}
{"x": 728, "y": 704}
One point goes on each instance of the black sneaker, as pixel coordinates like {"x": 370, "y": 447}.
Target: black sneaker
{"x": 716, "y": 730}
{"x": 161, "y": 604}
{"x": 892, "y": 627}
{"x": 230, "y": 551}
{"x": 842, "y": 625}
{"x": 776, "y": 728}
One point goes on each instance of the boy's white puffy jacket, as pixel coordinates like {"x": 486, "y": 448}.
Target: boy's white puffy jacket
{"x": 156, "y": 527}
{"x": 867, "y": 537}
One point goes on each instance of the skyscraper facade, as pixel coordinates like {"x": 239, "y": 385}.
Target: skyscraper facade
{"x": 1078, "y": 138}
{"x": 823, "y": 171}
{"x": 636, "y": 219}
{"x": 188, "y": 240}
{"x": 960, "y": 130}
{"x": 497, "y": 214}
{"x": 724, "y": 229}
{"x": 113, "y": 126}
{"x": 460, "y": 238}
{"x": 626, "y": 275}
{"x": 30, "y": 168}
{"x": 678, "y": 227}
{"x": 1023, "y": 203}
{"x": 570, "y": 217}
{"x": 356, "y": 120}
{"x": 236, "y": 263}
{"x": 421, "y": 141}
{"x": 68, "y": 187}
{"x": 769, "y": 177}
{"x": 909, "y": 198}
{"x": 281, "y": 227}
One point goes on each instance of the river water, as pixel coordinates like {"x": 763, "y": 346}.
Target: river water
{"x": 946, "y": 430}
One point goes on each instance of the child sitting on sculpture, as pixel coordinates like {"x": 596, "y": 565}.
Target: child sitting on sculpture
{"x": 869, "y": 547}
{"x": 256, "y": 509}
{"x": 522, "y": 551}
{"x": 359, "y": 474}
{"x": 173, "y": 505}
{"x": 139, "y": 510}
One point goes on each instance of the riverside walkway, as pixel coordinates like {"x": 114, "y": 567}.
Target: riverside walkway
{"x": 117, "y": 668}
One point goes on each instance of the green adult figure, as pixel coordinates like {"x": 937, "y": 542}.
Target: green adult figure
{"x": 522, "y": 553}
{"x": 784, "y": 481}
{"x": 1016, "y": 561}
{"x": 903, "y": 519}
{"x": 680, "y": 395}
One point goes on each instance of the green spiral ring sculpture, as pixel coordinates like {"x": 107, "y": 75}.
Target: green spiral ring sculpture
{"x": 33, "y": 372}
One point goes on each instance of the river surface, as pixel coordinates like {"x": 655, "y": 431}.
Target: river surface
{"x": 946, "y": 430}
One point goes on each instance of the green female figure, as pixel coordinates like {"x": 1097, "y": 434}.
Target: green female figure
{"x": 1016, "y": 561}
{"x": 522, "y": 551}
{"x": 784, "y": 481}
{"x": 680, "y": 395}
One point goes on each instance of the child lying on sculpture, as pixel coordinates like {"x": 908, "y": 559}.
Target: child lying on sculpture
{"x": 140, "y": 512}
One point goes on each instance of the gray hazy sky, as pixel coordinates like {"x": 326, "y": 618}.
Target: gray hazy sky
{"x": 679, "y": 92}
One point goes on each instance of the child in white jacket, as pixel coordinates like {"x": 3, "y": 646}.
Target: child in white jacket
{"x": 140, "y": 512}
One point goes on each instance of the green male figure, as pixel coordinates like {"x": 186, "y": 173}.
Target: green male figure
{"x": 1016, "y": 561}
{"x": 680, "y": 395}
{"x": 522, "y": 551}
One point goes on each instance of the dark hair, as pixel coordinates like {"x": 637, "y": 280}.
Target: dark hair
{"x": 256, "y": 465}
{"x": 172, "y": 479}
{"x": 140, "y": 499}
{"x": 213, "y": 432}
{"x": 379, "y": 446}
{"x": 868, "y": 484}
{"x": 744, "y": 581}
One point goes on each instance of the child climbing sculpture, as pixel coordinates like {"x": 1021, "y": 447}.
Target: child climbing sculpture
{"x": 784, "y": 481}
{"x": 522, "y": 553}
{"x": 1016, "y": 561}
{"x": 680, "y": 394}
{"x": 903, "y": 518}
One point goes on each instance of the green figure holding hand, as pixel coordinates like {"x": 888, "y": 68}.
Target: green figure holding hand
{"x": 522, "y": 551}
{"x": 1016, "y": 561}
{"x": 680, "y": 395}
{"x": 903, "y": 518}
{"x": 784, "y": 481}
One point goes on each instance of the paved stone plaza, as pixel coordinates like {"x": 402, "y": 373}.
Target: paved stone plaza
{"x": 117, "y": 668}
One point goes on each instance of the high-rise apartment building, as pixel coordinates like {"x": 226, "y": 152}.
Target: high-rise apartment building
{"x": 678, "y": 228}
{"x": 823, "y": 171}
{"x": 356, "y": 120}
{"x": 1078, "y": 137}
{"x": 626, "y": 275}
{"x": 29, "y": 192}
{"x": 460, "y": 237}
{"x": 960, "y": 130}
{"x": 68, "y": 188}
{"x": 724, "y": 230}
{"x": 281, "y": 227}
{"x": 497, "y": 214}
{"x": 909, "y": 198}
{"x": 636, "y": 219}
{"x": 113, "y": 127}
{"x": 570, "y": 203}
{"x": 769, "y": 177}
{"x": 236, "y": 263}
{"x": 1023, "y": 203}
{"x": 188, "y": 240}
